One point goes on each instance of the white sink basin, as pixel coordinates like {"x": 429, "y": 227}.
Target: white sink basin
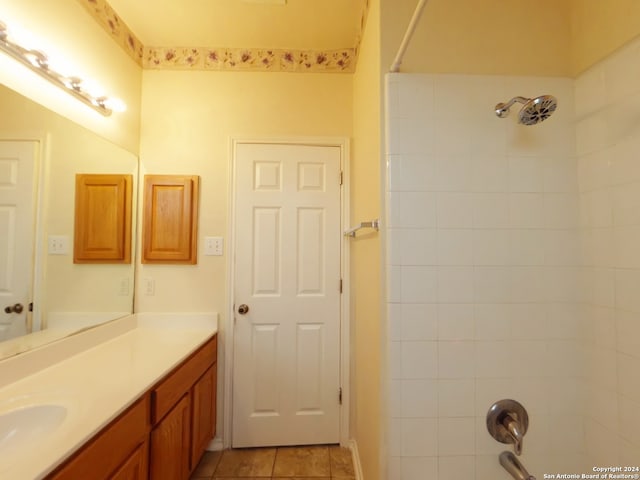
{"x": 24, "y": 425}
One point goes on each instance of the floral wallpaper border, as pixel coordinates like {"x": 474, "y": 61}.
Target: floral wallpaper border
{"x": 221, "y": 59}
{"x": 107, "y": 17}
{"x": 239, "y": 59}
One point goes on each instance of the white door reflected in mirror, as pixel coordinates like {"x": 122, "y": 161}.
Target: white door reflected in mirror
{"x": 17, "y": 174}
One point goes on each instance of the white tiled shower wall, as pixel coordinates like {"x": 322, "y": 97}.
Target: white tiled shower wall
{"x": 608, "y": 149}
{"x": 514, "y": 271}
{"x": 484, "y": 276}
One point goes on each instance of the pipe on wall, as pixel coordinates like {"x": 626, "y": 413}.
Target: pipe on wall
{"x": 395, "y": 66}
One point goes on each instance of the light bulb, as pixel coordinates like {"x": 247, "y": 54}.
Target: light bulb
{"x": 18, "y": 35}
{"x": 61, "y": 65}
{"x": 115, "y": 104}
{"x": 92, "y": 88}
{"x": 37, "y": 59}
{"x": 73, "y": 83}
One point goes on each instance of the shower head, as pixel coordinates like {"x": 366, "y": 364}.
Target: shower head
{"x": 534, "y": 111}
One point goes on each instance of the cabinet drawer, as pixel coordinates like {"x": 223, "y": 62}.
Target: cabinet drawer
{"x": 178, "y": 382}
{"x": 109, "y": 448}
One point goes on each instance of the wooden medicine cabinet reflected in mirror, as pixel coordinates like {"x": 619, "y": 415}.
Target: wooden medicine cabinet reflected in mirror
{"x": 102, "y": 231}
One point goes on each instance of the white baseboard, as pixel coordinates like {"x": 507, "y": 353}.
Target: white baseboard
{"x": 215, "y": 445}
{"x": 357, "y": 467}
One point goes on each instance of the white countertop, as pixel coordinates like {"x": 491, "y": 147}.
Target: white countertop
{"x": 98, "y": 384}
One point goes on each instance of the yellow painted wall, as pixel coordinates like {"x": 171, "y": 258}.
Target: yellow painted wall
{"x": 66, "y": 29}
{"x": 188, "y": 119}
{"x": 600, "y": 27}
{"x": 503, "y": 37}
{"x": 367, "y": 319}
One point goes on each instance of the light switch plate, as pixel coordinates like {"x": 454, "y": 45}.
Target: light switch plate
{"x": 58, "y": 245}
{"x": 213, "y": 245}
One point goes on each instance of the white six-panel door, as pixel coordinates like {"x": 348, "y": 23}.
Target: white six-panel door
{"x": 17, "y": 163}
{"x": 286, "y": 370}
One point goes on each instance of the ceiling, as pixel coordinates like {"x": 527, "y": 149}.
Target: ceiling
{"x": 299, "y": 24}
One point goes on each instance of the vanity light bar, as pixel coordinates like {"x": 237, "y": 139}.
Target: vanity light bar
{"x": 39, "y": 63}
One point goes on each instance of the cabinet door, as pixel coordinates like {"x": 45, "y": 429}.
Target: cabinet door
{"x": 135, "y": 467}
{"x": 103, "y": 219}
{"x": 204, "y": 414}
{"x": 170, "y": 219}
{"x": 170, "y": 444}
{"x": 111, "y": 448}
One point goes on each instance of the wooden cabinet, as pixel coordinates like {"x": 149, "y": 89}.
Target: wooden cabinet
{"x": 170, "y": 219}
{"x": 103, "y": 219}
{"x": 135, "y": 467}
{"x": 162, "y": 435}
{"x": 203, "y": 401}
{"x": 109, "y": 452}
{"x": 183, "y": 415}
{"x": 170, "y": 390}
{"x": 170, "y": 444}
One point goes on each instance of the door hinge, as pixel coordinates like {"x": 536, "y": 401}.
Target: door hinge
{"x": 341, "y": 177}
{"x": 340, "y": 285}
{"x": 340, "y": 395}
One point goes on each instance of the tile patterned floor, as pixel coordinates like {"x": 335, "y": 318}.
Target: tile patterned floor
{"x": 326, "y": 462}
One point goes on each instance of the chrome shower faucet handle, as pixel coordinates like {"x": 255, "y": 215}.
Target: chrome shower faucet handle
{"x": 507, "y": 422}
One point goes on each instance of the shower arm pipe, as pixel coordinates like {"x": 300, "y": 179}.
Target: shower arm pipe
{"x": 395, "y": 66}
{"x": 507, "y": 106}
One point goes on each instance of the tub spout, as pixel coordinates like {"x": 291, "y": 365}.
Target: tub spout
{"x": 512, "y": 465}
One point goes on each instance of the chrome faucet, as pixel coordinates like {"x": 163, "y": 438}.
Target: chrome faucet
{"x": 514, "y": 430}
{"x": 507, "y": 422}
{"x": 512, "y": 465}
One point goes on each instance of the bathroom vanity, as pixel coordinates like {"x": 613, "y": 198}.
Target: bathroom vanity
{"x": 141, "y": 405}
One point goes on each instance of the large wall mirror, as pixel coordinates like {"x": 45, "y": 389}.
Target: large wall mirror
{"x": 40, "y": 154}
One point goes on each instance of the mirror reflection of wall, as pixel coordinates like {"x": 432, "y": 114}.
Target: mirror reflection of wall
{"x": 67, "y": 296}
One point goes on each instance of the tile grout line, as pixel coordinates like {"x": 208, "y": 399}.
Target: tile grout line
{"x": 329, "y": 448}
{"x": 275, "y": 459}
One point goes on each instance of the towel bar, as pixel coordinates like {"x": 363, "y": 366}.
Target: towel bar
{"x": 375, "y": 224}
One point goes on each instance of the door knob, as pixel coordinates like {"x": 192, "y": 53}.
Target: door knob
{"x": 243, "y": 309}
{"x": 17, "y": 308}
